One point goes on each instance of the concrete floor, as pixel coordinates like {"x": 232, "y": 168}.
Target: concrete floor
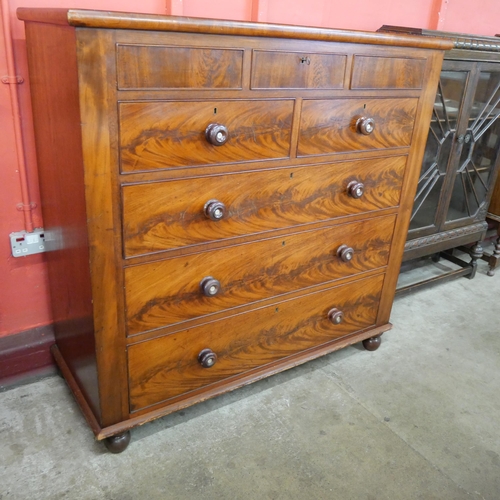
{"x": 417, "y": 419}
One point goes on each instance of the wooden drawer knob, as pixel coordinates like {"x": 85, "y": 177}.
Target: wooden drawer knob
{"x": 210, "y": 286}
{"x": 365, "y": 125}
{"x": 216, "y": 134}
{"x": 207, "y": 358}
{"x": 214, "y": 209}
{"x": 336, "y": 316}
{"x": 356, "y": 189}
{"x": 345, "y": 253}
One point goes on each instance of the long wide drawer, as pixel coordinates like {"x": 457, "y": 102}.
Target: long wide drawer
{"x": 164, "y": 134}
{"x": 166, "y": 215}
{"x": 171, "y": 291}
{"x": 169, "y": 366}
{"x": 341, "y": 125}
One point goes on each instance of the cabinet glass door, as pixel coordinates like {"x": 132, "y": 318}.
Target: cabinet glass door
{"x": 441, "y": 138}
{"x": 480, "y": 147}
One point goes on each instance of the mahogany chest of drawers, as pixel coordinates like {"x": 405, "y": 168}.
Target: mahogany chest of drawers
{"x": 222, "y": 201}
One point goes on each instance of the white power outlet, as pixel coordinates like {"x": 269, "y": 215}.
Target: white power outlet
{"x": 23, "y": 243}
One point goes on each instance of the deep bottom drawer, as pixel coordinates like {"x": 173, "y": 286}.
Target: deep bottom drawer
{"x": 167, "y": 367}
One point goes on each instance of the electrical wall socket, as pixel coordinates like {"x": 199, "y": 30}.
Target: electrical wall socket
{"x": 23, "y": 243}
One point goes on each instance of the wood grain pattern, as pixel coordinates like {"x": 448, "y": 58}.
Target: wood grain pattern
{"x": 297, "y": 70}
{"x": 167, "y": 215}
{"x": 164, "y": 134}
{"x": 168, "y": 292}
{"x": 97, "y": 93}
{"x": 118, "y": 20}
{"x": 157, "y": 66}
{"x": 166, "y": 367}
{"x": 56, "y": 115}
{"x": 329, "y": 126}
{"x": 391, "y": 73}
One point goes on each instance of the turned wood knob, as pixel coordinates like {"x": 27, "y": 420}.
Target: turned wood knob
{"x": 210, "y": 286}
{"x": 336, "y": 316}
{"x": 356, "y": 189}
{"x": 345, "y": 253}
{"x": 214, "y": 209}
{"x": 365, "y": 125}
{"x": 207, "y": 358}
{"x": 216, "y": 134}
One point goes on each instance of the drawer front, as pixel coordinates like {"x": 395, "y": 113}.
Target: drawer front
{"x": 163, "y": 368}
{"x": 297, "y": 70}
{"x": 169, "y": 291}
{"x": 391, "y": 73}
{"x": 159, "y": 135}
{"x": 163, "y": 67}
{"x": 335, "y": 125}
{"x": 167, "y": 215}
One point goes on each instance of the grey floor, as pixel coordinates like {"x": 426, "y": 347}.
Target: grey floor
{"x": 417, "y": 419}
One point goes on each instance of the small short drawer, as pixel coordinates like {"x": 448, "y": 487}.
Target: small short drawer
{"x": 342, "y": 125}
{"x": 172, "y": 214}
{"x": 165, "y": 134}
{"x": 171, "y": 291}
{"x": 375, "y": 72}
{"x": 164, "y": 67}
{"x": 170, "y": 366}
{"x": 297, "y": 70}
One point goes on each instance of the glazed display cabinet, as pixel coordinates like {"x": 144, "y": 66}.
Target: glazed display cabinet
{"x": 461, "y": 157}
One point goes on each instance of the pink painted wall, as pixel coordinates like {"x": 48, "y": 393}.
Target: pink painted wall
{"x": 351, "y": 14}
{"x": 240, "y": 10}
{"x": 23, "y": 291}
{"x": 24, "y": 301}
{"x": 481, "y": 17}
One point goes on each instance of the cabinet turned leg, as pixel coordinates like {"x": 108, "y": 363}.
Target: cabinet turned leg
{"x": 118, "y": 443}
{"x": 373, "y": 343}
{"x": 436, "y": 257}
{"x": 494, "y": 258}
{"x": 476, "y": 253}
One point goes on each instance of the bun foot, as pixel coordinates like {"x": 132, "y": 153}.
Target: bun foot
{"x": 118, "y": 443}
{"x": 491, "y": 272}
{"x": 373, "y": 343}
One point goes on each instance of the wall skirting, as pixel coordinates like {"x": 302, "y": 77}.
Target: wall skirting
{"x": 26, "y": 356}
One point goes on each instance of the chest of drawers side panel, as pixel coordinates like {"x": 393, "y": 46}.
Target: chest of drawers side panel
{"x": 424, "y": 111}
{"x": 97, "y": 86}
{"x": 56, "y": 114}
